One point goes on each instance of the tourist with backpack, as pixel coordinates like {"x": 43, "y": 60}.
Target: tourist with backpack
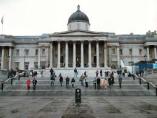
{"x": 72, "y": 82}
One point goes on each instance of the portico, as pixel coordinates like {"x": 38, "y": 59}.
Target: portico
{"x": 80, "y": 54}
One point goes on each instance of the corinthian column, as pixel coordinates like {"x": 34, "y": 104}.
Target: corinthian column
{"x": 105, "y": 55}
{"x": 74, "y": 54}
{"x": 10, "y": 57}
{"x": 148, "y": 54}
{"x": 39, "y": 57}
{"x": 58, "y": 55}
{"x": 2, "y": 59}
{"x": 118, "y": 58}
{"x": 97, "y": 54}
{"x": 66, "y": 54}
{"x": 155, "y": 56}
{"x": 89, "y": 54}
{"x": 82, "y": 56}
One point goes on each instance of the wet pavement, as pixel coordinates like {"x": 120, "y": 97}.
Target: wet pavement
{"x": 91, "y": 107}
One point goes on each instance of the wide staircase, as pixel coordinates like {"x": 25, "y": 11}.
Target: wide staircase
{"x": 130, "y": 87}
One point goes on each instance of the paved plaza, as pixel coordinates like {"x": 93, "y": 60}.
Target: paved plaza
{"x": 91, "y": 107}
{"x": 131, "y": 101}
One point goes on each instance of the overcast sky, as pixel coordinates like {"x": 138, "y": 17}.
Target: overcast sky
{"x": 35, "y": 17}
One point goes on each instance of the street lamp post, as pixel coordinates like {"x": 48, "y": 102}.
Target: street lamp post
{"x": 132, "y": 63}
{"x": 145, "y": 57}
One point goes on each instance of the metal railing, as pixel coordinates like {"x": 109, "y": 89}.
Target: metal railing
{"x": 147, "y": 84}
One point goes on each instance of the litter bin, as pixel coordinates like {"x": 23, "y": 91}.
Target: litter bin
{"x": 77, "y": 95}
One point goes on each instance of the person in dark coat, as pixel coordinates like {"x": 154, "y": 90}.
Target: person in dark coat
{"x": 101, "y": 73}
{"x": 112, "y": 79}
{"x": 2, "y": 85}
{"x": 72, "y": 82}
{"x": 34, "y": 82}
{"x": 52, "y": 79}
{"x": 110, "y": 82}
{"x": 51, "y": 71}
{"x": 97, "y": 73}
{"x": 98, "y": 82}
{"x": 120, "y": 81}
{"x": 75, "y": 72}
{"x": 60, "y": 79}
{"x": 67, "y": 81}
{"x": 133, "y": 76}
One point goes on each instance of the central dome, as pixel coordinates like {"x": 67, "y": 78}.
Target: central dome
{"x": 78, "y": 16}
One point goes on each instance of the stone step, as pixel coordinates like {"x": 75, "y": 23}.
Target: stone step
{"x": 71, "y": 92}
{"x": 77, "y": 81}
{"x": 57, "y": 86}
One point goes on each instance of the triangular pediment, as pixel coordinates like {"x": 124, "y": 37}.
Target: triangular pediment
{"x": 78, "y": 33}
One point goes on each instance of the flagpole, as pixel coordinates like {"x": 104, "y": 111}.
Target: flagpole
{"x": 2, "y": 28}
{"x": 2, "y": 23}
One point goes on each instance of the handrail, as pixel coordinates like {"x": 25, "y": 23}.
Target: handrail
{"x": 148, "y": 83}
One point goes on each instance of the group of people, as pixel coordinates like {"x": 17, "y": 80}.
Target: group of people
{"x": 34, "y": 81}
{"x": 108, "y": 79}
{"x": 67, "y": 79}
{"x": 102, "y": 80}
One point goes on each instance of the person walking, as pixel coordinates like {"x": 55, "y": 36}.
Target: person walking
{"x": 112, "y": 78}
{"x": 28, "y": 83}
{"x": 72, "y": 82}
{"x": 75, "y": 72}
{"x": 105, "y": 83}
{"x": 101, "y": 73}
{"x": 52, "y": 78}
{"x": 2, "y": 85}
{"x": 41, "y": 73}
{"x": 67, "y": 81}
{"x": 60, "y": 79}
{"x": 110, "y": 82}
{"x": 120, "y": 81}
{"x": 51, "y": 71}
{"x": 97, "y": 73}
{"x": 34, "y": 82}
{"x": 81, "y": 80}
{"x": 98, "y": 82}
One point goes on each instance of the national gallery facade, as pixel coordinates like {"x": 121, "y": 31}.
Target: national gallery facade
{"x": 77, "y": 47}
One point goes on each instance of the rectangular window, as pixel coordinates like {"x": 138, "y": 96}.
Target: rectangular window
{"x": 121, "y": 52}
{"x": 43, "y": 51}
{"x": 26, "y": 52}
{"x": 140, "y": 51}
{"x": 17, "y": 65}
{"x": 130, "y": 63}
{"x": 113, "y": 51}
{"x": 26, "y": 65}
{"x": 36, "y": 52}
{"x": 130, "y": 51}
{"x": 17, "y": 52}
{"x": 35, "y": 65}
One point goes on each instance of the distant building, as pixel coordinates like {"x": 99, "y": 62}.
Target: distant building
{"x": 78, "y": 47}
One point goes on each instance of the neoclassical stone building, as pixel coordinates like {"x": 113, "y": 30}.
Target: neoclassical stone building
{"x": 77, "y": 47}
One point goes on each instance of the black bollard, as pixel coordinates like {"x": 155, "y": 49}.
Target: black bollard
{"x": 95, "y": 85}
{"x": 140, "y": 80}
{"x": 78, "y": 96}
{"x": 2, "y": 86}
{"x": 148, "y": 85}
{"x": 11, "y": 81}
{"x": 156, "y": 90}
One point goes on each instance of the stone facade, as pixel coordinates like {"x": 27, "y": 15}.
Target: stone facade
{"x": 78, "y": 47}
